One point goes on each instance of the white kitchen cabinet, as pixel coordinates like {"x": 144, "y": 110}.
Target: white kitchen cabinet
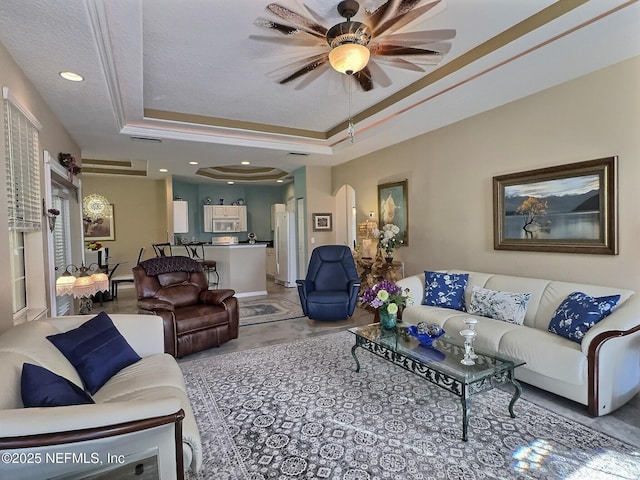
{"x": 271, "y": 262}
{"x": 180, "y": 216}
{"x": 225, "y": 212}
{"x": 242, "y": 214}
{"x": 220, "y": 211}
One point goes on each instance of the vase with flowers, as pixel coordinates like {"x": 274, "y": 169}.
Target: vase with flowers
{"x": 388, "y": 239}
{"x": 388, "y": 298}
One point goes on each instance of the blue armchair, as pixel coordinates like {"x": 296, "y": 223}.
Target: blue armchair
{"x": 330, "y": 291}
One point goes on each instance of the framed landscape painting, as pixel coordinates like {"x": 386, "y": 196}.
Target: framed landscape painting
{"x": 569, "y": 208}
{"x": 394, "y": 207}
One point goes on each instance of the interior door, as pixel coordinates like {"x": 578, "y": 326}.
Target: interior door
{"x": 301, "y": 239}
{"x": 345, "y": 218}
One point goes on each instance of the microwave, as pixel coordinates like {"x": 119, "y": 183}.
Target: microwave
{"x": 222, "y": 225}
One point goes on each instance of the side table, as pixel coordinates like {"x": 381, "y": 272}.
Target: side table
{"x": 374, "y": 270}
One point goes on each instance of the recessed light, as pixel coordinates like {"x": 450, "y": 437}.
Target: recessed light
{"x": 163, "y": 170}
{"x": 73, "y": 77}
{"x": 230, "y": 182}
{"x": 193, "y": 163}
{"x": 245, "y": 162}
{"x": 279, "y": 181}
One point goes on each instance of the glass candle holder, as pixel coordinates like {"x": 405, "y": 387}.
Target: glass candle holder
{"x": 468, "y": 335}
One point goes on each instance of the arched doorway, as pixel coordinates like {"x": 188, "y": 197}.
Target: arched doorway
{"x": 345, "y": 221}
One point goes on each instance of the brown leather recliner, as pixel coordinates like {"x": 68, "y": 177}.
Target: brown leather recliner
{"x": 195, "y": 318}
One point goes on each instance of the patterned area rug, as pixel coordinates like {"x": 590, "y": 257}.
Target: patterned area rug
{"x": 266, "y": 310}
{"x": 299, "y": 411}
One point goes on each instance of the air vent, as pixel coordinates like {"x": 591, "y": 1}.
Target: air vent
{"x": 299, "y": 154}
{"x": 147, "y": 139}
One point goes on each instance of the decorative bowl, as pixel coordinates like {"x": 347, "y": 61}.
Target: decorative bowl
{"x": 425, "y": 339}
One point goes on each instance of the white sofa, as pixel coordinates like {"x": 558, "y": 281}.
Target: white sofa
{"x": 143, "y": 408}
{"x": 603, "y": 372}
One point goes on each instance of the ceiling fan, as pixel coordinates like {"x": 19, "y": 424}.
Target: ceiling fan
{"x": 355, "y": 48}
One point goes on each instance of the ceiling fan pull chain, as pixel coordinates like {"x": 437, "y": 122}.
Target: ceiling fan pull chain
{"x": 350, "y": 129}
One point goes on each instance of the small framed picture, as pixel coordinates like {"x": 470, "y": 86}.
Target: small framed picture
{"x": 322, "y": 222}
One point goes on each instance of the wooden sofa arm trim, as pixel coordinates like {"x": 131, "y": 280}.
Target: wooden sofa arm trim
{"x": 593, "y": 363}
{"x": 73, "y": 436}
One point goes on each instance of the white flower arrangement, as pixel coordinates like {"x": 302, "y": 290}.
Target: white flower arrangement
{"x": 387, "y": 238}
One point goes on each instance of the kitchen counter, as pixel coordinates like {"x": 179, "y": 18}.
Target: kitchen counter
{"x": 241, "y": 266}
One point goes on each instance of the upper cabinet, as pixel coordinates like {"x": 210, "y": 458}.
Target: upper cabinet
{"x": 228, "y": 218}
{"x": 221, "y": 211}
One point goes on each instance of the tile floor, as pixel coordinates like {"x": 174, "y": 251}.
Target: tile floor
{"x": 624, "y": 423}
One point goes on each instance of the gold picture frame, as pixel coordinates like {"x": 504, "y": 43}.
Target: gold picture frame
{"x": 393, "y": 207}
{"x": 568, "y": 208}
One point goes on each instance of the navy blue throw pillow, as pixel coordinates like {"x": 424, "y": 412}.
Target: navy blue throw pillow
{"x": 579, "y": 312}
{"x": 445, "y": 289}
{"x": 96, "y": 349}
{"x": 43, "y": 388}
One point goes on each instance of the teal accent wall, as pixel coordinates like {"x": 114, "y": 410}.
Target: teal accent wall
{"x": 257, "y": 198}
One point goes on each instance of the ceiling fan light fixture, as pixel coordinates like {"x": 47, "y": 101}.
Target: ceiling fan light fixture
{"x": 349, "y": 58}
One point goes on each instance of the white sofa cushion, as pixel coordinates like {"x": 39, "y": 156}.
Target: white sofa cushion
{"x": 546, "y": 354}
{"x": 490, "y": 331}
{"x": 28, "y": 339}
{"x": 556, "y": 292}
{"x": 137, "y": 377}
{"x": 418, "y": 313}
{"x": 136, "y": 383}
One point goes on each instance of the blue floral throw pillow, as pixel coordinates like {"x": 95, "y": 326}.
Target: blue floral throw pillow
{"x": 445, "y": 289}
{"x": 579, "y": 312}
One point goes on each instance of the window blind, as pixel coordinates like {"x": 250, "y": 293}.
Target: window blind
{"x": 22, "y": 166}
{"x": 61, "y": 249}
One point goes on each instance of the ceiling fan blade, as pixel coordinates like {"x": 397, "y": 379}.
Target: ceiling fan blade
{"x": 400, "y": 63}
{"x": 364, "y": 79}
{"x": 440, "y": 47}
{"x": 303, "y": 23}
{"x": 379, "y": 76}
{"x": 290, "y": 41}
{"x": 311, "y": 76}
{"x": 401, "y": 50}
{"x": 302, "y": 61}
{"x": 278, "y": 27}
{"x": 403, "y": 15}
{"x": 375, "y": 17}
{"x": 318, "y": 18}
{"x": 423, "y": 36}
{"x": 307, "y": 66}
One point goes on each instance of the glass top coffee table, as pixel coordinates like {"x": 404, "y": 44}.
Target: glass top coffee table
{"x": 440, "y": 363}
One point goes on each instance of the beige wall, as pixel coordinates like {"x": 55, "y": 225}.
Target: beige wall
{"x": 450, "y": 177}
{"x": 319, "y": 199}
{"x": 140, "y": 210}
{"x": 53, "y": 138}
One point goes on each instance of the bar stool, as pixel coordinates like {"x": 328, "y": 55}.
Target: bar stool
{"x": 162, "y": 249}
{"x": 195, "y": 250}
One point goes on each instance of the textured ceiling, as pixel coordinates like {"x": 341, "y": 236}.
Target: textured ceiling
{"x": 188, "y": 74}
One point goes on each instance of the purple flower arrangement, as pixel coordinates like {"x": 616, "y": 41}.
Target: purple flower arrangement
{"x": 385, "y": 294}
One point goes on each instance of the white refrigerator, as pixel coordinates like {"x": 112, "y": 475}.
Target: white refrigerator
{"x": 284, "y": 242}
